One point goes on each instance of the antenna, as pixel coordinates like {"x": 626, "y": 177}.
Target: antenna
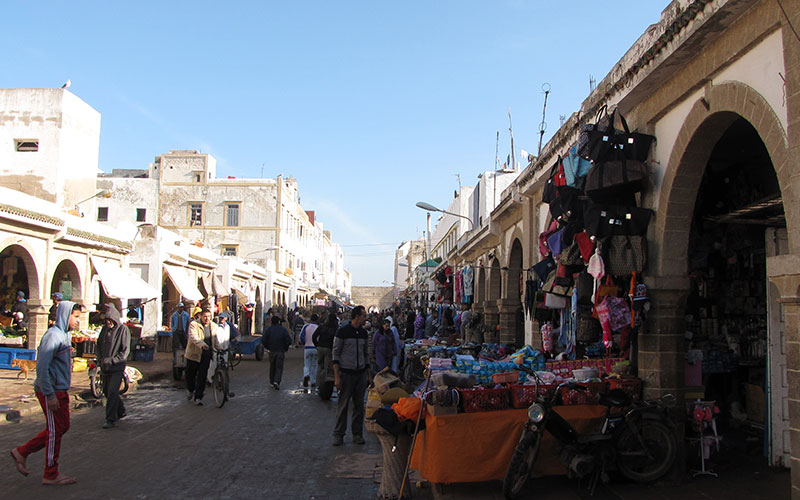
{"x": 458, "y": 178}
{"x": 592, "y": 83}
{"x": 513, "y": 165}
{"x": 497, "y": 151}
{"x": 543, "y": 125}
{"x": 262, "y": 170}
{"x": 562, "y": 119}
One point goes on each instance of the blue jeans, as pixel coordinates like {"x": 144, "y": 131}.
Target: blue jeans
{"x": 310, "y": 364}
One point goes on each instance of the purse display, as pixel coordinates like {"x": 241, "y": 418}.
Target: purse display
{"x": 624, "y": 255}
{"x": 608, "y": 220}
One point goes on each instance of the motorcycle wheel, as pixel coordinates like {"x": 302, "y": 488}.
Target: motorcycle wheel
{"x": 646, "y": 465}
{"x": 259, "y": 352}
{"x": 96, "y": 386}
{"x": 220, "y": 387}
{"x": 177, "y": 372}
{"x": 325, "y": 390}
{"x": 519, "y": 469}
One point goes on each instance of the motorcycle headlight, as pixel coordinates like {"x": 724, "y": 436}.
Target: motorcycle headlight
{"x": 536, "y": 413}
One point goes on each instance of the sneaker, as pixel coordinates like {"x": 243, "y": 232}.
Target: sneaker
{"x": 305, "y": 381}
{"x": 108, "y": 425}
{"x": 275, "y": 386}
{"x": 231, "y": 395}
{"x": 189, "y": 395}
{"x": 338, "y": 440}
{"x": 358, "y": 440}
{"x": 198, "y": 402}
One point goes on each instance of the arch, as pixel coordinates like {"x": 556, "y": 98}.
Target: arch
{"x": 512, "y": 288}
{"x": 701, "y": 130}
{"x": 480, "y": 285}
{"x": 15, "y": 247}
{"x": 67, "y": 270}
{"x": 495, "y": 281}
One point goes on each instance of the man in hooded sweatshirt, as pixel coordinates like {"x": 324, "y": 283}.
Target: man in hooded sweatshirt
{"x": 113, "y": 346}
{"x": 53, "y": 378}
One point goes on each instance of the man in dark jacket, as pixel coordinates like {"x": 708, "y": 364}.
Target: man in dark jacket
{"x": 351, "y": 375}
{"x": 113, "y": 346}
{"x": 277, "y": 341}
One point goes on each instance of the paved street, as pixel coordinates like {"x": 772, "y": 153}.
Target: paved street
{"x": 262, "y": 444}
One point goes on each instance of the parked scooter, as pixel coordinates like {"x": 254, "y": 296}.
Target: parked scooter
{"x": 637, "y": 439}
{"x": 96, "y": 380}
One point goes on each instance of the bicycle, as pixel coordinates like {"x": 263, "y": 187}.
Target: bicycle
{"x": 220, "y": 382}
{"x": 96, "y": 381}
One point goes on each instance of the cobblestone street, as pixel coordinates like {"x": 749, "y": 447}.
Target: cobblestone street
{"x": 262, "y": 444}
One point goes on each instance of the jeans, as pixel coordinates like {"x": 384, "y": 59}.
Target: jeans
{"x": 276, "y": 367}
{"x": 354, "y": 387}
{"x": 115, "y": 408}
{"x": 310, "y": 364}
{"x": 196, "y": 373}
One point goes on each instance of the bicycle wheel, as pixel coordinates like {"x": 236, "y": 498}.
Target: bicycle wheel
{"x": 220, "y": 386}
{"x": 519, "y": 468}
{"x": 234, "y": 357}
{"x": 651, "y": 461}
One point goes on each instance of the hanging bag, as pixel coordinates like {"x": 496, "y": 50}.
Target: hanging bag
{"x": 544, "y": 249}
{"x": 554, "y": 180}
{"x": 575, "y": 168}
{"x": 597, "y": 142}
{"x": 607, "y": 220}
{"x": 554, "y": 243}
{"x": 544, "y": 268}
{"x": 610, "y": 180}
{"x": 624, "y": 255}
{"x": 591, "y": 133}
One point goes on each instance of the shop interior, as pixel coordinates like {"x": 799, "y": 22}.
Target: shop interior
{"x": 738, "y": 207}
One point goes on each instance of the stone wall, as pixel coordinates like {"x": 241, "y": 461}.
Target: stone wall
{"x": 373, "y": 296}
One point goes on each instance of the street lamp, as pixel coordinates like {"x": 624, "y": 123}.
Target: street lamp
{"x": 103, "y": 193}
{"x": 431, "y": 208}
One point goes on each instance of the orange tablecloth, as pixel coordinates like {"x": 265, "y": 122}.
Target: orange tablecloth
{"x": 474, "y": 447}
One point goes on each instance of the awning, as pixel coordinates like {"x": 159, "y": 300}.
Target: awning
{"x": 121, "y": 283}
{"x": 219, "y": 288}
{"x": 184, "y": 282}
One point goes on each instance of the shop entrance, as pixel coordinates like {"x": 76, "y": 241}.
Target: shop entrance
{"x": 738, "y": 217}
{"x": 19, "y": 275}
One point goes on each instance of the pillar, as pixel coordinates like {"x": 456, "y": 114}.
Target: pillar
{"x": 508, "y": 310}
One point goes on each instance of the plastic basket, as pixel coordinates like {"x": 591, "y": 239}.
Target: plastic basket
{"x": 631, "y": 386}
{"x": 587, "y": 397}
{"x": 505, "y": 378}
{"x": 143, "y": 354}
{"x": 476, "y": 400}
{"x": 87, "y": 348}
{"x": 522, "y": 396}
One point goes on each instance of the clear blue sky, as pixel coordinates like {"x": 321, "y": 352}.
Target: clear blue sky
{"x": 371, "y": 105}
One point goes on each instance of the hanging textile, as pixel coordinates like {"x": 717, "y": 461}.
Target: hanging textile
{"x": 531, "y": 287}
{"x": 468, "y": 276}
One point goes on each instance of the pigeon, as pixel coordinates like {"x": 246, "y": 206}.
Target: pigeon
{"x": 66, "y": 85}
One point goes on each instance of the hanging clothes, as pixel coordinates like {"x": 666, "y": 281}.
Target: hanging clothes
{"x": 457, "y": 287}
{"x": 531, "y": 288}
{"x": 468, "y": 276}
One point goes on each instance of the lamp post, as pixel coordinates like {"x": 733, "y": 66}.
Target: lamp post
{"x": 103, "y": 193}
{"x": 431, "y": 208}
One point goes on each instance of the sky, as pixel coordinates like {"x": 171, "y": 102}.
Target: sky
{"x": 371, "y": 105}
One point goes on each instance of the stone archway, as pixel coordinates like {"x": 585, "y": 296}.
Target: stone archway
{"x": 661, "y": 347}
{"x": 494, "y": 288}
{"x": 512, "y": 325}
{"x": 67, "y": 280}
{"x": 21, "y": 274}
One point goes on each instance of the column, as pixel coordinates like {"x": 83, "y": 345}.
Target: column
{"x": 508, "y": 310}
{"x": 37, "y": 321}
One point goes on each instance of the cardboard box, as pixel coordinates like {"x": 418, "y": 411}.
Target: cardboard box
{"x": 438, "y": 410}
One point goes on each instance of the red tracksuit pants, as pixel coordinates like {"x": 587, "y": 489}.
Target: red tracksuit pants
{"x": 50, "y": 438}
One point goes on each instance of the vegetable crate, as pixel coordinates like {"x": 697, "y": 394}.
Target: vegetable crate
{"x": 475, "y": 400}
{"x": 631, "y": 386}
{"x": 86, "y": 349}
{"x": 522, "y": 396}
{"x": 587, "y": 397}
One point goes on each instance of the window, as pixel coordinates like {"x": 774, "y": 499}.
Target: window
{"x": 26, "y": 145}
{"x": 198, "y": 176}
{"x": 229, "y": 250}
{"x": 195, "y": 214}
{"x": 232, "y": 214}
{"x": 141, "y": 214}
{"x": 102, "y": 214}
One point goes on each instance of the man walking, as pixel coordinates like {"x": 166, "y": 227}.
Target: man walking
{"x": 351, "y": 375}
{"x": 309, "y": 351}
{"x": 277, "y": 341}
{"x": 202, "y": 335}
{"x": 113, "y": 346}
{"x": 57, "y": 298}
{"x": 53, "y": 378}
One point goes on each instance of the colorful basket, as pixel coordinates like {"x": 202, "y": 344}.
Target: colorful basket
{"x": 522, "y": 396}
{"x": 631, "y": 386}
{"x": 505, "y": 378}
{"x": 475, "y": 400}
{"x": 587, "y": 397}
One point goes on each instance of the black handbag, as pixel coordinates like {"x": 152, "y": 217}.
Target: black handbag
{"x": 554, "y": 180}
{"x": 609, "y": 180}
{"x": 567, "y": 204}
{"x": 600, "y": 141}
{"x": 624, "y": 255}
{"x": 607, "y": 220}
{"x": 544, "y": 268}
{"x": 584, "y": 287}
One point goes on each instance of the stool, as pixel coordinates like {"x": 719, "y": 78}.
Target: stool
{"x": 394, "y": 462}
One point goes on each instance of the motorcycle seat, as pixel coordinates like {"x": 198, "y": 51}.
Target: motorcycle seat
{"x": 616, "y": 397}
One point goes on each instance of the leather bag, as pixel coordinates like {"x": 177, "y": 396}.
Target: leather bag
{"x": 598, "y": 142}
{"x": 544, "y": 268}
{"x": 608, "y": 220}
{"x": 612, "y": 179}
{"x": 625, "y": 255}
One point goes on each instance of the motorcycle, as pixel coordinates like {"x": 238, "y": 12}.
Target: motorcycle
{"x": 637, "y": 439}
{"x": 96, "y": 380}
